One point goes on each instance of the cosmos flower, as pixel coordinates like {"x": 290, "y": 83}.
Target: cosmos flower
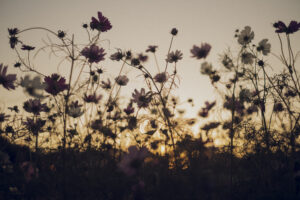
{"x": 133, "y": 161}
{"x": 282, "y": 28}
{"x": 117, "y": 56}
{"x": 227, "y": 62}
{"x": 161, "y": 77}
{"x": 55, "y": 84}
{"x": 106, "y": 85}
{"x": 74, "y": 109}
{"x": 35, "y": 126}
{"x": 27, "y": 47}
{"x": 129, "y": 110}
{"x": 135, "y": 62}
{"x": 246, "y": 36}
{"x": 202, "y": 51}
{"x": 174, "y": 56}
{"x": 247, "y": 58}
{"x": 92, "y": 98}
{"x": 141, "y": 98}
{"x": 142, "y": 57}
{"x": 264, "y": 47}
{"x": 102, "y": 24}
{"x": 151, "y": 48}
{"x": 7, "y": 81}
{"x": 206, "y": 68}
{"x": 34, "y": 106}
{"x": 121, "y": 80}
{"x": 93, "y": 53}
{"x": 13, "y": 31}
{"x": 33, "y": 87}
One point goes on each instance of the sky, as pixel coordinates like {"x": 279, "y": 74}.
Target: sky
{"x": 139, "y": 23}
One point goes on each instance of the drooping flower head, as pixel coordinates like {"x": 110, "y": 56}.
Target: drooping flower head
{"x": 55, "y": 84}
{"x": 121, "y": 80}
{"x": 13, "y": 40}
{"x": 174, "y": 56}
{"x": 102, "y": 24}
{"x": 7, "y": 81}
{"x": 246, "y": 36}
{"x": 141, "y": 98}
{"x": 93, "y": 53}
{"x": 34, "y": 106}
{"x": 200, "y": 52}
{"x": 293, "y": 27}
{"x": 106, "y": 85}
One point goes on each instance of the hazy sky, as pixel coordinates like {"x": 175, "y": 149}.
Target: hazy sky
{"x": 139, "y": 23}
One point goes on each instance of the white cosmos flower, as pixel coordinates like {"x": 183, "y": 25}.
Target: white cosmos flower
{"x": 264, "y": 47}
{"x": 206, "y": 68}
{"x": 247, "y": 58}
{"x": 246, "y": 36}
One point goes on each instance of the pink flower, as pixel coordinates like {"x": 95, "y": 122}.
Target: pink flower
{"x": 133, "y": 161}
{"x": 55, "y": 84}
{"x": 102, "y": 24}
{"x": 200, "y": 52}
{"x": 7, "y": 81}
{"x": 93, "y": 53}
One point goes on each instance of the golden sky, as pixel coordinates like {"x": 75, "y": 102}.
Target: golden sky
{"x": 139, "y": 23}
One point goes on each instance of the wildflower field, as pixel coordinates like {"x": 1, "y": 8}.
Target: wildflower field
{"x": 77, "y": 137}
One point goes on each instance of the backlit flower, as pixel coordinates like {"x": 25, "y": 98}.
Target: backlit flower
{"x": 7, "y": 81}
{"x": 174, "y": 31}
{"x": 55, "y": 84}
{"x": 106, "y": 85}
{"x": 151, "y": 48}
{"x": 13, "y": 31}
{"x": 200, "y": 52}
{"x": 161, "y": 77}
{"x": 247, "y": 58}
{"x": 122, "y": 80}
{"x": 34, "y": 106}
{"x": 246, "y": 36}
{"x": 93, "y": 53}
{"x": 282, "y": 28}
{"x": 13, "y": 41}
{"x": 142, "y": 57}
{"x": 92, "y": 98}
{"x": 174, "y": 56}
{"x": 74, "y": 109}
{"x": 264, "y": 47}
{"x": 206, "y": 68}
{"x": 133, "y": 160}
{"x": 141, "y": 98}
{"x": 35, "y": 126}
{"x": 102, "y": 24}
{"x": 27, "y": 47}
{"x": 117, "y": 56}
{"x": 129, "y": 109}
